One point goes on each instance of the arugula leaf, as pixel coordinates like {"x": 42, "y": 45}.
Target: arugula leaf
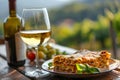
{"x": 93, "y": 70}
{"x": 80, "y": 68}
{"x": 85, "y": 68}
{"x": 50, "y": 64}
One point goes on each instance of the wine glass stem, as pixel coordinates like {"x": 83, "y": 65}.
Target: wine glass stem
{"x": 37, "y": 59}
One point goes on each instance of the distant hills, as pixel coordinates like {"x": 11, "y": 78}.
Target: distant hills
{"x": 62, "y": 9}
{"x": 78, "y": 11}
{"x": 30, "y": 3}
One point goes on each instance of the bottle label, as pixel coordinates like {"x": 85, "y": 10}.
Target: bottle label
{"x": 20, "y": 47}
{"x": 7, "y": 50}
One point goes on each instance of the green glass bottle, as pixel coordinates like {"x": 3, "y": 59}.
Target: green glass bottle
{"x": 15, "y": 47}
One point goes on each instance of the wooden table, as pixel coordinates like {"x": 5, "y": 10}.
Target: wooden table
{"x": 9, "y": 73}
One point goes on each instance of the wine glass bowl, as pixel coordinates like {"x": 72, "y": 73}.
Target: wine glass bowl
{"x": 36, "y": 31}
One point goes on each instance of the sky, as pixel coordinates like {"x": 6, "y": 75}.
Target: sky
{"x": 31, "y": 3}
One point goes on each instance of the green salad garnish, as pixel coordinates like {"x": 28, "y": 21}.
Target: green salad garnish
{"x": 50, "y": 65}
{"x": 85, "y": 68}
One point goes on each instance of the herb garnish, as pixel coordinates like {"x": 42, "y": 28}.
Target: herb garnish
{"x": 50, "y": 65}
{"x": 85, "y": 68}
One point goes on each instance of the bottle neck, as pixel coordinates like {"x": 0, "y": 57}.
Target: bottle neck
{"x": 12, "y": 8}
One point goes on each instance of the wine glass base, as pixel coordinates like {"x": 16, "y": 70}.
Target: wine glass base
{"x": 37, "y": 73}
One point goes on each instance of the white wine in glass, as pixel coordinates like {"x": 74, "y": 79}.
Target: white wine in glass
{"x": 35, "y": 37}
{"x": 36, "y": 31}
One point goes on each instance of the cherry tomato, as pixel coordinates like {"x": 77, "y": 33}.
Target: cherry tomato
{"x": 30, "y": 55}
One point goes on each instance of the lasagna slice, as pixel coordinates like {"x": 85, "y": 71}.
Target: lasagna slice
{"x": 67, "y": 63}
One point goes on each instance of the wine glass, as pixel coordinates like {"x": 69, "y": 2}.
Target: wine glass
{"x": 36, "y": 31}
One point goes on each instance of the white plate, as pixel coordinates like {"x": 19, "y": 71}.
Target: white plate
{"x": 113, "y": 65}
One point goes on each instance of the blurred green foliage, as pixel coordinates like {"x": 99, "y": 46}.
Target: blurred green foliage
{"x": 86, "y": 34}
{"x": 90, "y": 25}
{"x": 79, "y": 11}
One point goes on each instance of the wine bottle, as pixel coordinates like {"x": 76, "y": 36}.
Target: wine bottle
{"x": 15, "y": 47}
